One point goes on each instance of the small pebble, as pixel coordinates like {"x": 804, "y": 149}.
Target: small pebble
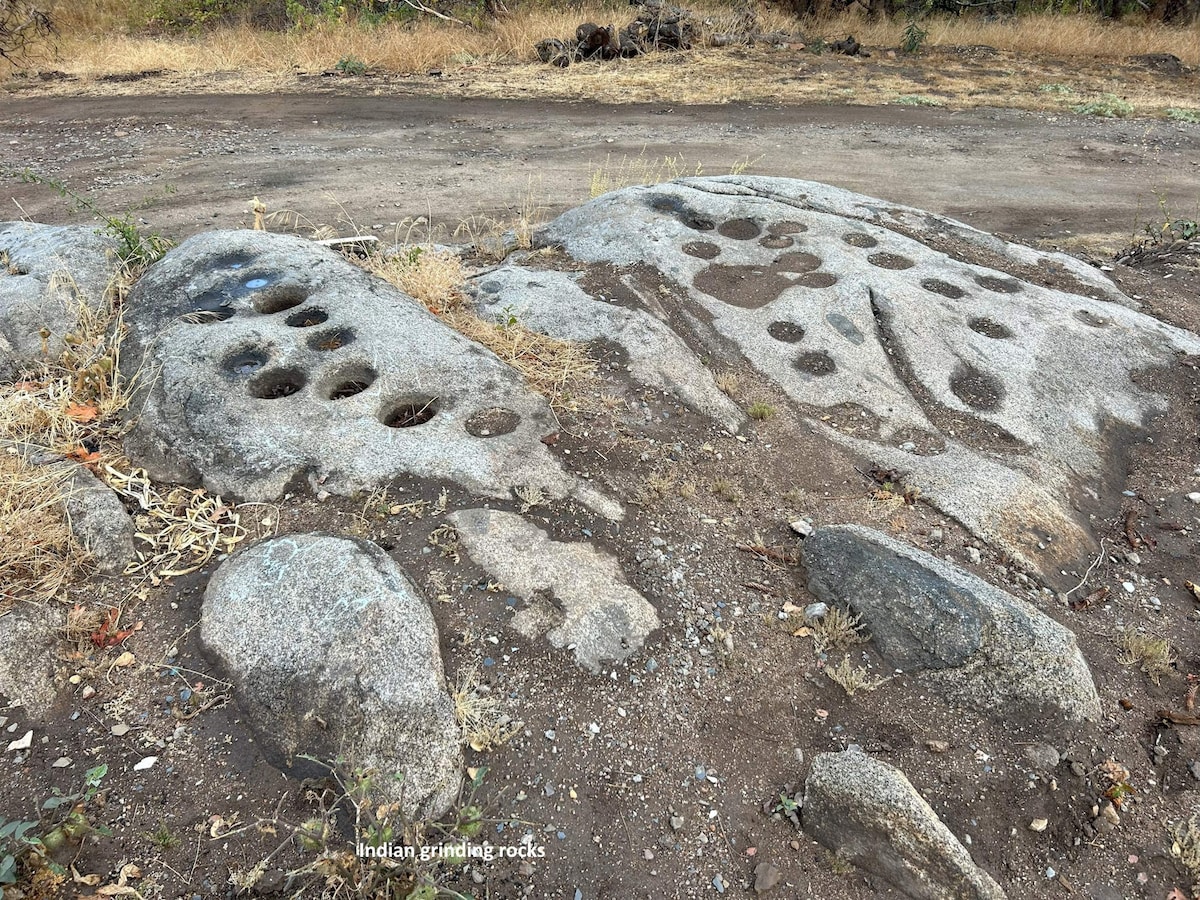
{"x": 1039, "y": 825}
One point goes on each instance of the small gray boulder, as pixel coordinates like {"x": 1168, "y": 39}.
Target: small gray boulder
{"x": 48, "y": 274}
{"x": 333, "y": 653}
{"x": 868, "y": 813}
{"x": 99, "y": 521}
{"x": 979, "y": 646}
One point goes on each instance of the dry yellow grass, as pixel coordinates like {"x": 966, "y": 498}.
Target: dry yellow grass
{"x": 96, "y": 40}
{"x": 37, "y": 552}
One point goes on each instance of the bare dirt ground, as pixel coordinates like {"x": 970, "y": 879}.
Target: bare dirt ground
{"x": 660, "y": 782}
{"x": 382, "y": 160}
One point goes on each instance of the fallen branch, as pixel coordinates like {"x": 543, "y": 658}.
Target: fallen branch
{"x": 421, "y": 7}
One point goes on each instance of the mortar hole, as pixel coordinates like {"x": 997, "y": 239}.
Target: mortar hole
{"x": 282, "y": 298}
{"x": 409, "y": 413}
{"x": 277, "y": 384}
{"x": 331, "y": 340}
{"x": 306, "y": 318}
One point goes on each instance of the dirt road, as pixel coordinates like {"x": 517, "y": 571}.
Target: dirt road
{"x": 381, "y": 160}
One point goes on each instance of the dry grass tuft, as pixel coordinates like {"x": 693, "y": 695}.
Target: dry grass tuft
{"x": 853, "y": 678}
{"x": 836, "y": 631}
{"x": 485, "y": 725}
{"x": 38, "y": 554}
{"x": 1152, "y": 655}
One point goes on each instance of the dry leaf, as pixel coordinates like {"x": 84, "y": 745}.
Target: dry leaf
{"x": 89, "y": 880}
{"x": 79, "y": 412}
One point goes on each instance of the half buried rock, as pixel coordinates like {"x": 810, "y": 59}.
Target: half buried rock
{"x": 869, "y": 814}
{"x": 977, "y": 645}
{"x": 334, "y": 654}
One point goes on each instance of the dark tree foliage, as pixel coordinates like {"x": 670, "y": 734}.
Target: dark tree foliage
{"x": 22, "y": 26}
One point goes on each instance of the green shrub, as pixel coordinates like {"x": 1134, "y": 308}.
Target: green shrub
{"x": 1107, "y": 106}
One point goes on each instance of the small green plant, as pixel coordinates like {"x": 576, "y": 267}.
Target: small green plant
{"x": 162, "y": 837}
{"x": 837, "y": 630}
{"x": 913, "y": 37}
{"x": 816, "y": 46}
{"x": 137, "y": 250}
{"x": 1056, "y": 89}
{"x": 760, "y": 411}
{"x": 1106, "y": 106}
{"x": 1179, "y": 114}
{"x": 351, "y": 65}
{"x": 917, "y": 100}
{"x": 27, "y": 844}
{"x": 507, "y": 318}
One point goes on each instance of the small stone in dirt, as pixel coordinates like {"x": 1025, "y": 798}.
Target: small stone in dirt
{"x": 973, "y": 555}
{"x": 814, "y": 612}
{"x": 551, "y": 734}
{"x": 766, "y": 877}
{"x": 1194, "y": 496}
{"x": 801, "y": 527}
{"x": 1043, "y": 756}
{"x": 1128, "y": 586}
{"x": 937, "y": 746}
{"x": 22, "y": 743}
{"x": 144, "y": 764}
{"x": 61, "y": 763}
{"x": 1039, "y": 825}
{"x": 120, "y": 729}
{"x": 676, "y": 822}
{"x": 1194, "y": 768}
{"x": 648, "y": 855}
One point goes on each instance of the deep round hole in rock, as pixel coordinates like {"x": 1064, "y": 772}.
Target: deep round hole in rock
{"x": 331, "y": 340}
{"x": 277, "y": 384}
{"x": 351, "y": 382}
{"x": 246, "y": 361}
{"x": 279, "y": 299}
{"x": 411, "y": 412}
{"x": 307, "y": 318}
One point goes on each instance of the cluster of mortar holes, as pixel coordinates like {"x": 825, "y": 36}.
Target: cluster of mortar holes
{"x": 246, "y": 361}
{"x": 858, "y": 239}
{"x": 281, "y": 299}
{"x": 326, "y": 341}
{"x": 890, "y": 261}
{"x": 349, "y": 381}
{"x": 410, "y": 412}
{"x": 702, "y": 249}
{"x": 999, "y": 285}
{"x": 780, "y": 229}
{"x": 989, "y": 328}
{"x": 740, "y": 229}
{"x": 787, "y": 332}
{"x": 815, "y": 362}
{"x": 776, "y": 242}
{"x": 817, "y": 280}
{"x": 1087, "y": 317}
{"x": 307, "y": 318}
{"x": 277, "y": 384}
{"x": 494, "y": 422}
{"x": 943, "y": 288}
{"x": 976, "y": 389}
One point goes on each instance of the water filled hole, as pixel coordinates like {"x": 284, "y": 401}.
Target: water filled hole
{"x": 307, "y": 318}
{"x": 409, "y": 413}
{"x": 256, "y": 284}
{"x": 277, "y": 384}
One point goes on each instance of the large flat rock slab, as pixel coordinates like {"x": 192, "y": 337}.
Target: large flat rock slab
{"x": 575, "y": 594}
{"x": 333, "y": 655}
{"x": 265, "y": 362}
{"x": 1001, "y": 380}
{"x": 49, "y": 274}
{"x": 979, "y": 646}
